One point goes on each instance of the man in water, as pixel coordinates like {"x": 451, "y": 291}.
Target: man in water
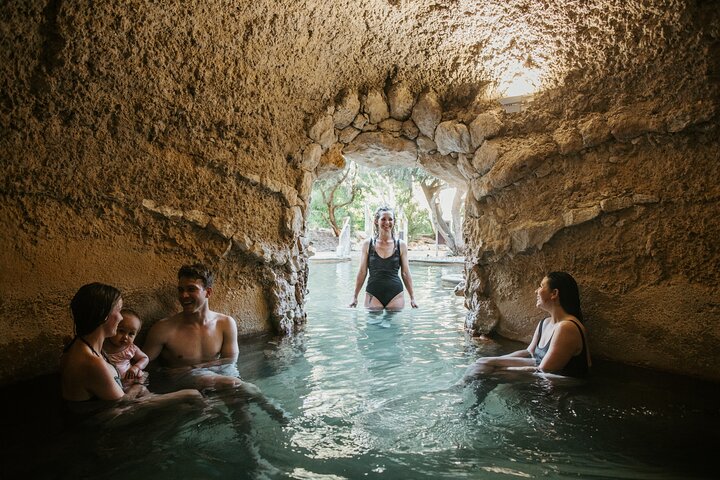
{"x": 196, "y": 335}
{"x": 199, "y": 346}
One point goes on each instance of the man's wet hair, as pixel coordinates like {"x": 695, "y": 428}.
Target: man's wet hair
{"x": 197, "y": 271}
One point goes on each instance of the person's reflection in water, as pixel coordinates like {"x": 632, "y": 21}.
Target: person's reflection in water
{"x": 539, "y": 396}
{"x": 379, "y": 343}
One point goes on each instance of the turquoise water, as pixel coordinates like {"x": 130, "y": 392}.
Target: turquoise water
{"x": 372, "y": 396}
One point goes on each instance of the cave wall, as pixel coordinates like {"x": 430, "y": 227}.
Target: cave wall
{"x": 138, "y": 136}
{"x": 613, "y": 178}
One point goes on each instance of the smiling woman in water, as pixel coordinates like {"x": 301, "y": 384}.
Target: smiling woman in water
{"x": 559, "y": 345}
{"x": 90, "y": 383}
{"x": 382, "y": 256}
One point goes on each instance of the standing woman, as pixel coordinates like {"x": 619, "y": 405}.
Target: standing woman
{"x": 382, "y": 256}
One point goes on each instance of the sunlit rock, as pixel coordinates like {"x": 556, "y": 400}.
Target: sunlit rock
{"x": 629, "y": 123}
{"x": 375, "y": 149}
{"x": 391, "y": 125}
{"x": 361, "y": 120}
{"x": 519, "y": 159}
{"x": 348, "y": 134}
{"x": 305, "y": 184}
{"x": 196, "y": 217}
{"x": 443, "y": 165}
{"x": 375, "y": 106}
{"x": 466, "y": 168}
{"x": 401, "y": 101}
{"x": 425, "y": 144}
{"x": 485, "y": 157}
{"x": 331, "y": 161}
{"x": 346, "y": 109}
{"x": 614, "y": 204}
{"x": 409, "y": 129}
{"x": 594, "y": 130}
{"x": 311, "y": 157}
{"x": 568, "y": 140}
{"x": 452, "y": 136}
{"x": 484, "y": 126}
{"x": 531, "y": 234}
{"x": 323, "y": 131}
{"x": 222, "y": 226}
{"x": 577, "y": 216}
{"x": 427, "y": 113}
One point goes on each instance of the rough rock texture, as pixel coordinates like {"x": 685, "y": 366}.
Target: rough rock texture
{"x": 137, "y": 136}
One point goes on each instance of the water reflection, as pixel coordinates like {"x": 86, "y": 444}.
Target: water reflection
{"x": 372, "y": 400}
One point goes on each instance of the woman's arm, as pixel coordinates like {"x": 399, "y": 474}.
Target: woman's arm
{"x": 565, "y": 343}
{"x": 524, "y": 353}
{"x": 99, "y": 381}
{"x": 405, "y": 273}
{"x": 362, "y": 272}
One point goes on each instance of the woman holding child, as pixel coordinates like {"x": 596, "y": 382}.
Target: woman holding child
{"x": 86, "y": 371}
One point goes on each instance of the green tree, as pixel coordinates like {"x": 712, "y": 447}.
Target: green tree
{"x": 349, "y": 193}
{"x": 331, "y": 196}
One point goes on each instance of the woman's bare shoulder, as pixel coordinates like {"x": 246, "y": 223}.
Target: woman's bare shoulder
{"x": 77, "y": 362}
{"x": 570, "y": 326}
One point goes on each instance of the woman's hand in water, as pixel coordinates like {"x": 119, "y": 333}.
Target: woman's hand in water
{"x": 413, "y": 304}
{"x": 353, "y": 304}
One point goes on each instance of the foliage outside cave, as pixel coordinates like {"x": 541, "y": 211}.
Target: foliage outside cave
{"x": 347, "y": 194}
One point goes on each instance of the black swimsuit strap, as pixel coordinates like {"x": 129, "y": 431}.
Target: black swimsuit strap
{"x": 102, "y": 352}
{"x": 89, "y": 346}
{"x": 582, "y": 335}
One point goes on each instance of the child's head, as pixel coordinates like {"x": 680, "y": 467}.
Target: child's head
{"x": 127, "y": 329}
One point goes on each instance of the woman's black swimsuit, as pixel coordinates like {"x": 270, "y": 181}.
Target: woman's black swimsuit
{"x": 384, "y": 282}
{"x": 576, "y": 367}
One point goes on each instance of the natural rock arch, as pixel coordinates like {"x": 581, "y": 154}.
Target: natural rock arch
{"x": 137, "y": 137}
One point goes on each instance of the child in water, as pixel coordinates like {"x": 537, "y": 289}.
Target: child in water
{"x": 122, "y": 352}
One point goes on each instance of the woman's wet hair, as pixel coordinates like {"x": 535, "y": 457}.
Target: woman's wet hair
{"x": 91, "y": 306}
{"x": 378, "y": 214}
{"x": 197, "y": 271}
{"x": 568, "y": 291}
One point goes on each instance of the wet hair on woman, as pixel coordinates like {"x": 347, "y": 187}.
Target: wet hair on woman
{"x": 91, "y": 306}
{"x": 568, "y": 291}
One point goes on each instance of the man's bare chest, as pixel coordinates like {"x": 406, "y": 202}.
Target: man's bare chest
{"x": 195, "y": 344}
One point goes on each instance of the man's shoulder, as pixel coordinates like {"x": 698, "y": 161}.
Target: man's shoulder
{"x": 222, "y": 318}
{"x": 167, "y": 323}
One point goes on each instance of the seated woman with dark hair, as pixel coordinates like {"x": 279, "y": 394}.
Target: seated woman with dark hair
{"x": 559, "y": 345}
{"x": 87, "y": 376}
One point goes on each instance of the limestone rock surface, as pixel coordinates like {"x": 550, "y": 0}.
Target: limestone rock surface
{"x": 139, "y": 136}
